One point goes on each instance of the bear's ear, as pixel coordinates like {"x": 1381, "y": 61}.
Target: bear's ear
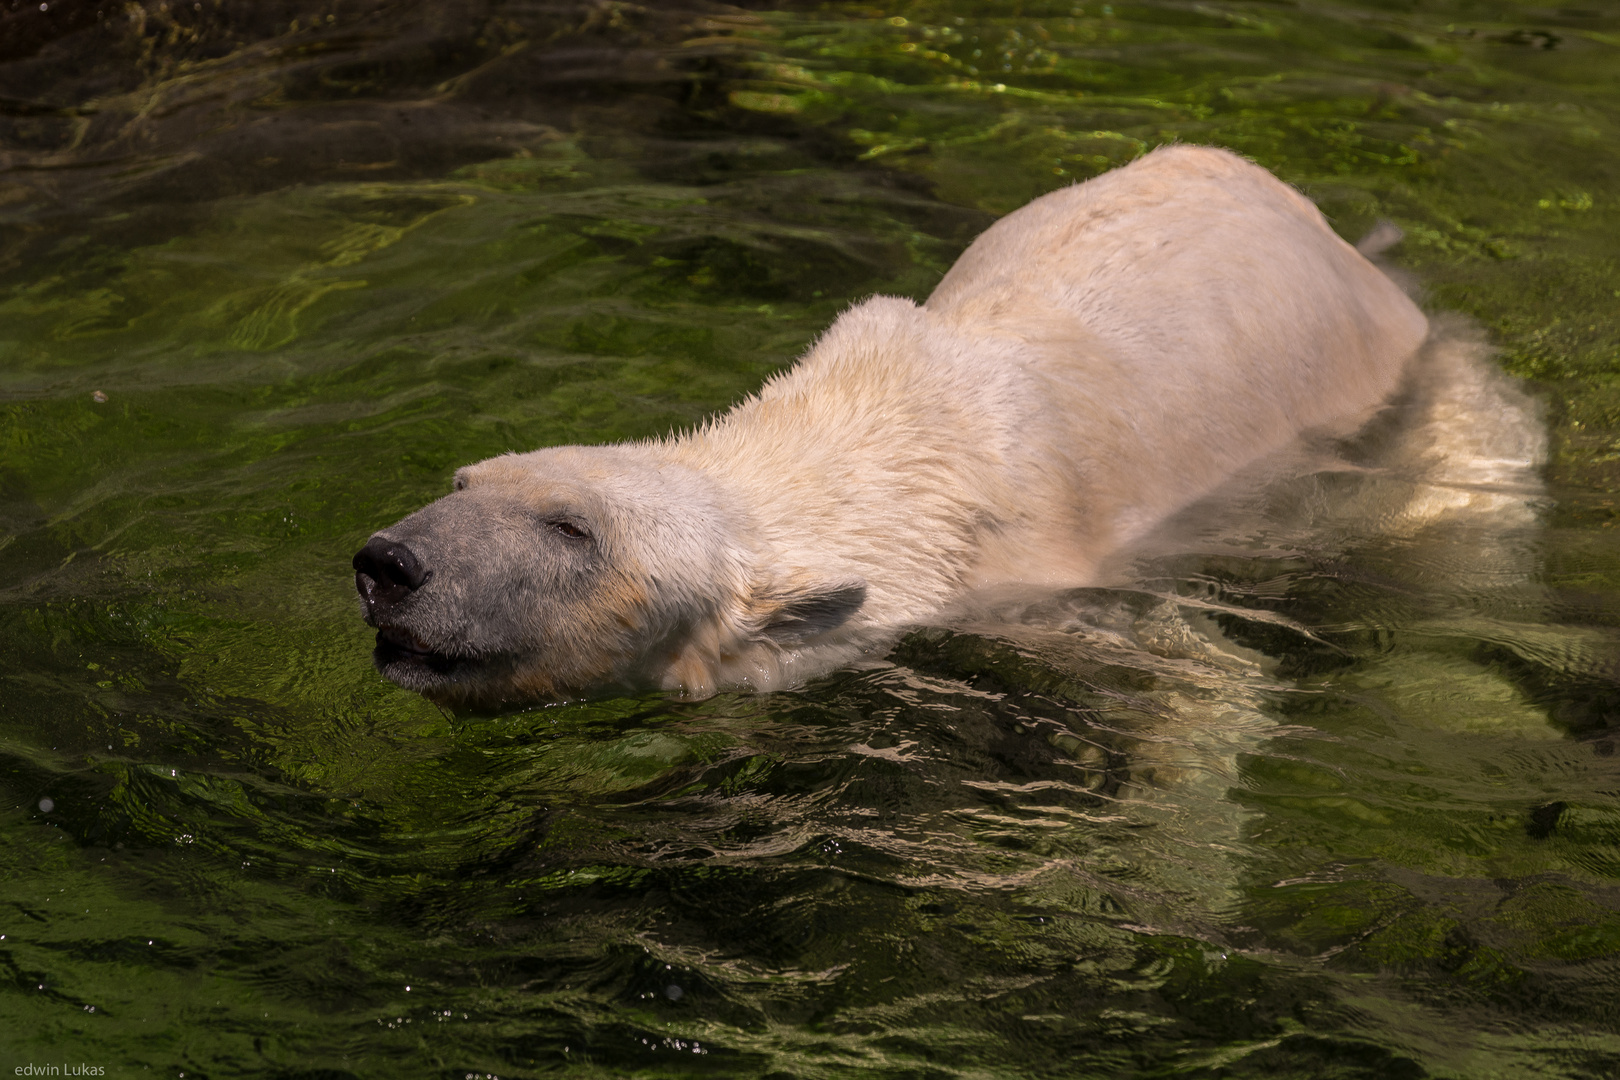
{"x": 798, "y": 612}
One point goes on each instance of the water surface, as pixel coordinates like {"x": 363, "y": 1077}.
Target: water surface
{"x": 1322, "y": 783}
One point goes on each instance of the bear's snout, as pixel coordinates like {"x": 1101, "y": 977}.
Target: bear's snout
{"x": 386, "y": 572}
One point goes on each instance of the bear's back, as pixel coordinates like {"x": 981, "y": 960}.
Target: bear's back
{"x": 1207, "y": 282}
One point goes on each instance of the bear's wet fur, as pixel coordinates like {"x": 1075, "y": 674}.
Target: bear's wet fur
{"x": 1092, "y": 363}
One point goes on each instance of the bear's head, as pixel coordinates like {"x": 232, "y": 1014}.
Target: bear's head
{"x": 548, "y": 574}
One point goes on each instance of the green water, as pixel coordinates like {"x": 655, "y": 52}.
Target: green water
{"x": 1364, "y": 821}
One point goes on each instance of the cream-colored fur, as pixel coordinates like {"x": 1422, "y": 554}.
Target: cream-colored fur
{"x": 1094, "y": 362}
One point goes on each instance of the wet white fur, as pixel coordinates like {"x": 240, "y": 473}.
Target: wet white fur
{"x": 1093, "y": 362}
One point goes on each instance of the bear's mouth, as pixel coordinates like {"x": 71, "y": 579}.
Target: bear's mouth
{"x": 400, "y": 652}
{"x": 459, "y": 679}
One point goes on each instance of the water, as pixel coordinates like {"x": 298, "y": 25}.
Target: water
{"x": 1320, "y": 783}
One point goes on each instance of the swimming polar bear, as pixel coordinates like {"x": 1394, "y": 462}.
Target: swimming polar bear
{"x": 1092, "y": 363}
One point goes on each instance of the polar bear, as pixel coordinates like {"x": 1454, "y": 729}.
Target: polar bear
{"x": 1091, "y": 364}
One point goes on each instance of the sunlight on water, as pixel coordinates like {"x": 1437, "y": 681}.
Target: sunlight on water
{"x": 1321, "y": 780}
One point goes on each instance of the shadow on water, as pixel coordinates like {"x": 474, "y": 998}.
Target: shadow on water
{"x": 1320, "y": 782}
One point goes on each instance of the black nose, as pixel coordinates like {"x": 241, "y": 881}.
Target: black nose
{"x": 386, "y": 572}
